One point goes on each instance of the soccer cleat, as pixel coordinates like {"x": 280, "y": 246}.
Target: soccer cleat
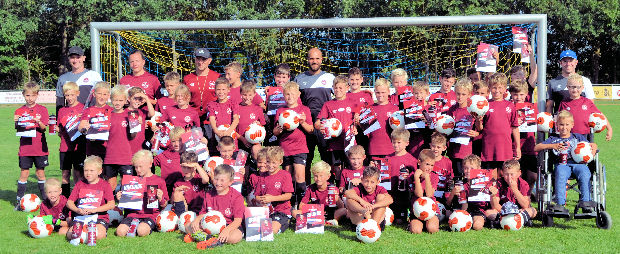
{"x": 208, "y": 244}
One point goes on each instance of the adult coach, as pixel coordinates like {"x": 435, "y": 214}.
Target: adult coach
{"x": 84, "y": 78}
{"x": 202, "y": 82}
{"x": 316, "y": 89}
{"x": 557, "y": 91}
{"x": 139, "y": 77}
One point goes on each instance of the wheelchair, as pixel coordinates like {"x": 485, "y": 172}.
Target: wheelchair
{"x": 598, "y": 189}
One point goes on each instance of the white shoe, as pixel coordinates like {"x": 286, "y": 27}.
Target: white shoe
{"x": 332, "y": 222}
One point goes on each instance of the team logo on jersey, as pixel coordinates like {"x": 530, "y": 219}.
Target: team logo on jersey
{"x": 191, "y": 84}
{"x": 277, "y": 185}
{"x": 324, "y": 82}
{"x": 85, "y": 80}
{"x": 228, "y": 211}
{"x": 145, "y": 84}
{"x": 215, "y": 112}
{"x": 169, "y": 161}
{"x": 252, "y": 116}
{"x": 508, "y": 110}
{"x": 61, "y": 216}
{"x": 349, "y": 110}
{"x": 195, "y": 188}
{"x": 362, "y": 100}
{"x": 124, "y": 124}
{"x": 164, "y": 107}
{"x": 568, "y": 108}
{"x": 584, "y": 107}
{"x": 491, "y": 110}
{"x": 389, "y": 114}
{"x": 228, "y": 111}
{"x": 187, "y": 119}
{"x": 212, "y": 85}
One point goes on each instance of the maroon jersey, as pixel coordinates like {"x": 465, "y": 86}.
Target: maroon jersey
{"x": 275, "y": 185}
{"x": 395, "y": 163}
{"x": 294, "y": 142}
{"x": 96, "y": 147}
{"x": 164, "y": 103}
{"x": 343, "y": 111}
{"x": 248, "y": 115}
{"x": 68, "y": 115}
{"x": 443, "y": 169}
{"x": 230, "y": 205}
{"x": 202, "y": 89}
{"x": 361, "y": 98}
{"x": 235, "y": 96}
{"x": 497, "y": 133}
{"x": 315, "y": 196}
{"x": 36, "y": 146}
{"x": 369, "y": 197}
{"x": 181, "y": 117}
{"x": 101, "y": 186}
{"x": 151, "y": 213}
{"x": 463, "y": 123}
{"x": 118, "y": 140}
{"x": 194, "y": 196}
{"x": 434, "y": 181}
{"x": 138, "y": 140}
{"x": 59, "y": 211}
{"x": 581, "y": 109}
{"x": 223, "y": 112}
{"x": 506, "y": 194}
{"x": 380, "y": 139}
{"x": 349, "y": 174}
{"x": 170, "y": 164}
{"x": 444, "y": 100}
{"x": 148, "y": 82}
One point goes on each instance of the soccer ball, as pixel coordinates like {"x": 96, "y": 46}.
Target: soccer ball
{"x": 460, "y": 221}
{"x": 255, "y": 134}
{"x": 30, "y": 203}
{"x": 289, "y": 120}
{"x": 598, "y": 122}
{"x": 477, "y": 105}
{"x": 185, "y": 219}
{"x": 115, "y": 215}
{"x": 166, "y": 221}
{"x": 444, "y": 124}
{"x": 582, "y": 153}
{"x": 424, "y": 208}
{"x": 545, "y": 121}
{"x": 368, "y": 231}
{"x": 389, "y": 216}
{"x": 38, "y": 229}
{"x": 213, "y": 162}
{"x": 332, "y": 128}
{"x": 155, "y": 119}
{"x": 397, "y": 120}
{"x": 442, "y": 211}
{"x": 512, "y": 222}
{"x": 213, "y": 222}
{"x": 225, "y": 127}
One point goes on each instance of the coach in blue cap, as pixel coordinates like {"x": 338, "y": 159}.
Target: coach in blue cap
{"x": 557, "y": 91}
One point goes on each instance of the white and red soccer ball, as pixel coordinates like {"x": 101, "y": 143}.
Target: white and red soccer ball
{"x": 545, "y": 121}
{"x": 30, "y": 203}
{"x": 389, "y": 216}
{"x": 155, "y": 119}
{"x": 445, "y": 124}
{"x": 213, "y": 162}
{"x": 255, "y": 134}
{"x": 368, "y": 231}
{"x": 213, "y": 222}
{"x": 185, "y": 219}
{"x": 397, "y": 120}
{"x": 289, "y": 120}
{"x": 598, "y": 122}
{"x": 460, "y": 221}
{"x": 477, "y": 105}
{"x": 332, "y": 127}
{"x": 512, "y": 222}
{"x": 582, "y": 153}
{"x": 225, "y": 127}
{"x": 115, "y": 215}
{"x": 424, "y": 208}
{"x": 37, "y": 228}
{"x": 166, "y": 221}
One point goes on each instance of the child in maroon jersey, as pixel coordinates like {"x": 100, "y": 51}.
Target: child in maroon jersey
{"x": 137, "y": 98}
{"x": 142, "y": 161}
{"x": 369, "y": 200}
{"x": 181, "y": 115}
{"x": 172, "y": 80}
{"x": 233, "y": 73}
{"x": 71, "y": 152}
{"x": 274, "y": 189}
{"x": 445, "y": 96}
{"x": 32, "y": 150}
{"x": 443, "y": 166}
{"x": 352, "y": 176}
{"x": 380, "y": 139}
{"x": 248, "y": 114}
{"x": 223, "y": 111}
{"x": 498, "y": 126}
{"x": 464, "y": 127}
{"x": 86, "y": 188}
{"x": 100, "y": 111}
{"x": 189, "y": 190}
{"x": 55, "y": 205}
{"x": 581, "y": 107}
{"x": 228, "y": 201}
{"x": 518, "y": 94}
{"x": 512, "y": 188}
{"x": 401, "y": 164}
{"x": 480, "y": 88}
{"x": 420, "y": 137}
{"x": 356, "y": 94}
{"x": 398, "y": 78}
{"x": 479, "y": 210}
{"x": 317, "y": 193}
{"x": 423, "y": 183}
{"x": 169, "y": 161}
{"x": 118, "y": 160}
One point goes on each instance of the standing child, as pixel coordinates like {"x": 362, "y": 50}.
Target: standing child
{"x": 479, "y": 210}
{"x": 172, "y": 80}
{"x": 137, "y": 98}
{"x": 442, "y": 167}
{"x": 445, "y": 97}
{"x": 97, "y": 114}
{"x": 181, "y": 115}
{"x": 317, "y": 193}
{"x": 249, "y": 113}
{"x": 189, "y": 190}
{"x": 400, "y": 164}
{"x": 380, "y": 139}
{"x": 420, "y": 137}
{"x": 71, "y": 152}
{"x": 480, "y": 88}
{"x": 356, "y": 79}
{"x": 499, "y": 126}
{"x": 169, "y": 161}
{"x": 294, "y": 142}
{"x": 93, "y": 191}
{"x": 423, "y": 183}
{"x": 118, "y": 160}
{"x": 369, "y": 200}
{"x": 56, "y": 206}
{"x": 464, "y": 127}
{"x": 222, "y": 111}
{"x": 142, "y": 162}
{"x": 399, "y": 78}
{"x": 233, "y": 73}
{"x": 518, "y": 94}
{"x": 32, "y": 150}
{"x": 512, "y": 188}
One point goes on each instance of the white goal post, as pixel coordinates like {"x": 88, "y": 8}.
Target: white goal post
{"x": 539, "y": 19}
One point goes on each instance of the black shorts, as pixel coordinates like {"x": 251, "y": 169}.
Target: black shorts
{"x": 149, "y": 221}
{"x": 493, "y": 165}
{"x": 26, "y": 162}
{"x": 112, "y": 170}
{"x": 295, "y": 159}
{"x": 281, "y": 218}
{"x": 338, "y": 158}
{"x": 72, "y": 160}
{"x": 529, "y": 163}
{"x": 104, "y": 223}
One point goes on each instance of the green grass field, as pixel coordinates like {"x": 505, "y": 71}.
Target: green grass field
{"x": 568, "y": 236}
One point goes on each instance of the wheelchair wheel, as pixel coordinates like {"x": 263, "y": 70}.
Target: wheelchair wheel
{"x": 547, "y": 221}
{"x": 603, "y": 220}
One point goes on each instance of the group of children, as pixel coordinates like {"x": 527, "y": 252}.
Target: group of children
{"x": 386, "y": 168}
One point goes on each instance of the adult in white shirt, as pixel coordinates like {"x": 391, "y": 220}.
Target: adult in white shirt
{"x": 84, "y": 78}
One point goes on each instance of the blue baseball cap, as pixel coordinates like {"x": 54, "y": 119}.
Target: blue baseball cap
{"x": 568, "y": 53}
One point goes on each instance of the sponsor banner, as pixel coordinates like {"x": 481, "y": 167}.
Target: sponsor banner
{"x": 16, "y": 97}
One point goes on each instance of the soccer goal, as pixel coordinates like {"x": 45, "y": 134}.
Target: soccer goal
{"x": 423, "y": 46}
